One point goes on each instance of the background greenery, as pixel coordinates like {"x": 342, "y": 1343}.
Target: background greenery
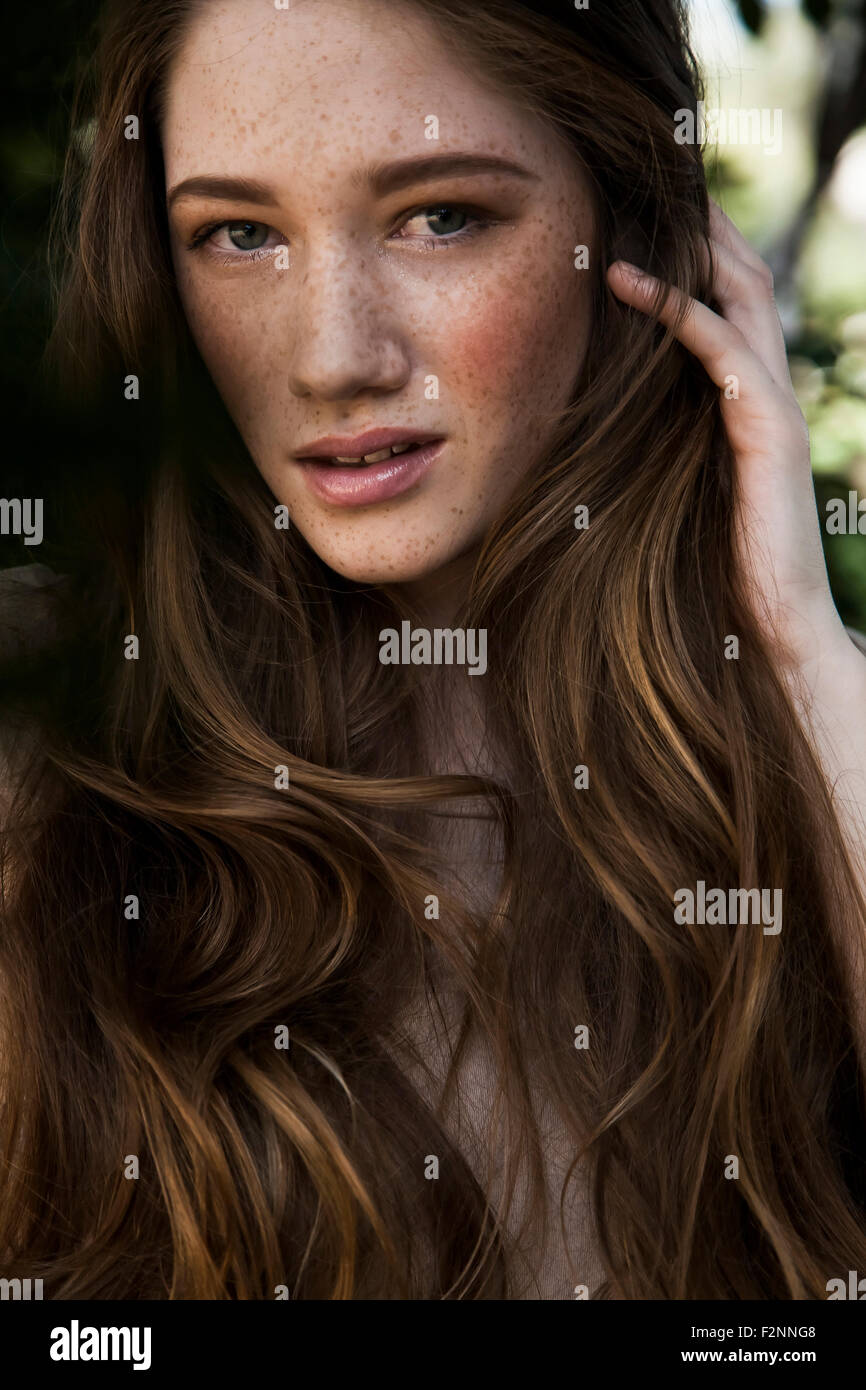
{"x": 804, "y": 210}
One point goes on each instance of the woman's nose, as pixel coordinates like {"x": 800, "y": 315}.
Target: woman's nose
{"x": 345, "y": 330}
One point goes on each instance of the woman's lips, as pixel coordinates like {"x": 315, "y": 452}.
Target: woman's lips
{"x": 348, "y": 485}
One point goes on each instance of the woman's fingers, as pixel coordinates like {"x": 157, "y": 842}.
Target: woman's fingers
{"x": 745, "y": 293}
{"x": 718, "y": 343}
{"x": 743, "y": 289}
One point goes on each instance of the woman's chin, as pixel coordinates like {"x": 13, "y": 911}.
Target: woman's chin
{"x": 383, "y": 564}
{"x": 384, "y": 571}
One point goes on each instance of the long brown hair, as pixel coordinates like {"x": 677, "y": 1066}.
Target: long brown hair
{"x": 264, "y": 907}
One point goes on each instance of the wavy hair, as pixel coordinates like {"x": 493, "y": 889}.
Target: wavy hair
{"x": 301, "y": 907}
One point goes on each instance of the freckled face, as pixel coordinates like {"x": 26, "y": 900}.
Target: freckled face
{"x": 441, "y": 300}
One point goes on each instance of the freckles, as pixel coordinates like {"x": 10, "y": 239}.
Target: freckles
{"x": 487, "y": 347}
{"x": 507, "y": 342}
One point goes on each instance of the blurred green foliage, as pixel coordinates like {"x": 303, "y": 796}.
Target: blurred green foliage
{"x": 806, "y": 214}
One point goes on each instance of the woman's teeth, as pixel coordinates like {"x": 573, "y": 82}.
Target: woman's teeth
{"x": 378, "y": 457}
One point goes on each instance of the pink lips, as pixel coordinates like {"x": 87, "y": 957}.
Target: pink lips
{"x": 356, "y": 485}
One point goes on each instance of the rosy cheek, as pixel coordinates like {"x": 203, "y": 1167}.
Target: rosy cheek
{"x": 485, "y": 346}
{"x": 509, "y": 341}
{"x": 493, "y": 335}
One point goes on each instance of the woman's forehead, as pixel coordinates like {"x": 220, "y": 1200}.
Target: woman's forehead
{"x": 326, "y": 50}
{"x": 325, "y": 84}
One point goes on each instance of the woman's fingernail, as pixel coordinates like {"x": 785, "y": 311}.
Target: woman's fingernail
{"x": 634, "y": 271}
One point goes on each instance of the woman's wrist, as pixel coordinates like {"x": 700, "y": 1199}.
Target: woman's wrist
{"x": 829, "y": 693}
{"x": 834, "y": 672}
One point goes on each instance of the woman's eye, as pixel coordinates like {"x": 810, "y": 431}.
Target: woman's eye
{"x": 238, "y": 236}
{"x": 247, "y": 236}
{"x": 440, "y": 222}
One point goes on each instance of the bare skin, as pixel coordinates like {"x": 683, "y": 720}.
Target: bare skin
{"x": 379, "y": 298}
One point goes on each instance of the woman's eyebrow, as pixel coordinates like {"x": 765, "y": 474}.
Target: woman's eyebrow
{"x": 384, "y": 178}
{"x": 219, "y": 186}
{"x": 381, "y": 178}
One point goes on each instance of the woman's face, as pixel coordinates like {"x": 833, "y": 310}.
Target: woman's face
{"x": 426, "y": 284}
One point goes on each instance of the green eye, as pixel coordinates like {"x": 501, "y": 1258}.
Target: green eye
{"x": 448, "y": 219}
{"x": 247, "y": 236}
{"x": 440, "y": 225}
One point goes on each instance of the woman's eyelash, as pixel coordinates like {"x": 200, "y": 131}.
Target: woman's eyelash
{"x": 478, "y": 222}
{"x": 200, "y": 237}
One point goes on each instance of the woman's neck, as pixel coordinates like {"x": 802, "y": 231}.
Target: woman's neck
{"x": 455, "y": 729}
{"x": 440, "y": 597}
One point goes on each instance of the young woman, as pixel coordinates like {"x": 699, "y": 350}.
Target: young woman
{"x": 434, "y": 854}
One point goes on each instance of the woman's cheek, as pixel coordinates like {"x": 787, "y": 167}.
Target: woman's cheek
{"x": 239, "y": 352}
{"x": 517, "y": 343}
{"x": 485, "y": 347}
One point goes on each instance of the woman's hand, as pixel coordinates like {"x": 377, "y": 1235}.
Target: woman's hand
{"x": 778, "y": 529}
